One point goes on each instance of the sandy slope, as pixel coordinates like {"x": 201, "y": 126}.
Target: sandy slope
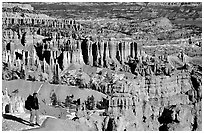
{"x": 26, "y": 87}
{"x": 51, "y": 124}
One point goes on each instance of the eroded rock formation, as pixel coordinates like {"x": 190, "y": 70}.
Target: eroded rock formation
{"x": 158, "y": 93}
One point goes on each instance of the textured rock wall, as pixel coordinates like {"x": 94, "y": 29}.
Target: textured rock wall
{"x": 108, "y": 53}
{"x": 154, "y": 87}
{"x": 12, "y": 103}
{"x": 153, "y": 102}
{"x": 157, "y": 103}
{"x": 38, "y": 20}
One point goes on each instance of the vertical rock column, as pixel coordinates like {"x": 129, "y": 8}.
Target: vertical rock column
{"x": 113, "y": 48}
{"x": 56, "y": 71}
{"x": 65, "y": 60}
{"x": 135, "y": 48}
{"x": 35, "y": 57}
{"x": 44, "y": 65}
{"x": 24, "y": 58}
{"x": 15, "y": 38}
{"x": 59, "y": 61}
{"x": 119, "y": 54}
{"x": 70, "y": 49}
{"x": 101, "y": 52}
{"x": 85, "y": 51}
{"x": 126, "y": 50}
{"x": 28, "y": 60}
{"x": 3, "y": 21}
{"x": 90, "y": 55}
{"x": 95, "y": 53}
{"x": 35, "y": 21}
{"x": 120, "y": 48}
{"x": 55, "y": 23}
{"x": 54, "y": 62}
{"x": 10, "y": 21}
{"x": 98, "y": 52}
{"x": 122, "y": 103}
{"x": 74, "y": 56}
{"x": 123, "y": 51}
{"x": 12, "y": 54}
{"x": 69, "y": 54}
{"x": 51, "y": 65}
{"x": 127, "y": 103}
{"x": 6, "y": 20}
{"x": 106, "y": 59}
{"x": 110, "y": 103}
{"x": 77, "y": 52}
{"x": 114, "y": 104}
{"x": 8, "y": 60}
{"x": 80, "y": 56}
{"x": 6, "y": 52}
{"x": 15, "y": 20}
{"x": 131, "y": 49}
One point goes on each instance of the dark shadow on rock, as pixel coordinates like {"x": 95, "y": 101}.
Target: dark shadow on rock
{"x": 7, "y": 108}
{"x": 17, "y": 119}
{"x": 165, "y": 119}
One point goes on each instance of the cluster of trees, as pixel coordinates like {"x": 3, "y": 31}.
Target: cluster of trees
{"x": 53, "y": 99}
{"x": 89, "y": 103}
{"x": 69, "y": 101}
{"x": 104, "y": 104}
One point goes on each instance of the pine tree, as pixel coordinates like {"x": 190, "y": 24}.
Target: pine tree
{"x": 54, "y": 99}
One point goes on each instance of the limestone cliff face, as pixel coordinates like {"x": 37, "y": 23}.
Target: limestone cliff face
{"x": 158, "y": 103}
{"x": 111, "y": 54}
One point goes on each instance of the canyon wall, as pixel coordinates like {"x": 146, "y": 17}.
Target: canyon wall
{"x": 158, "y": 97}
{"x": 158, "y": 103}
